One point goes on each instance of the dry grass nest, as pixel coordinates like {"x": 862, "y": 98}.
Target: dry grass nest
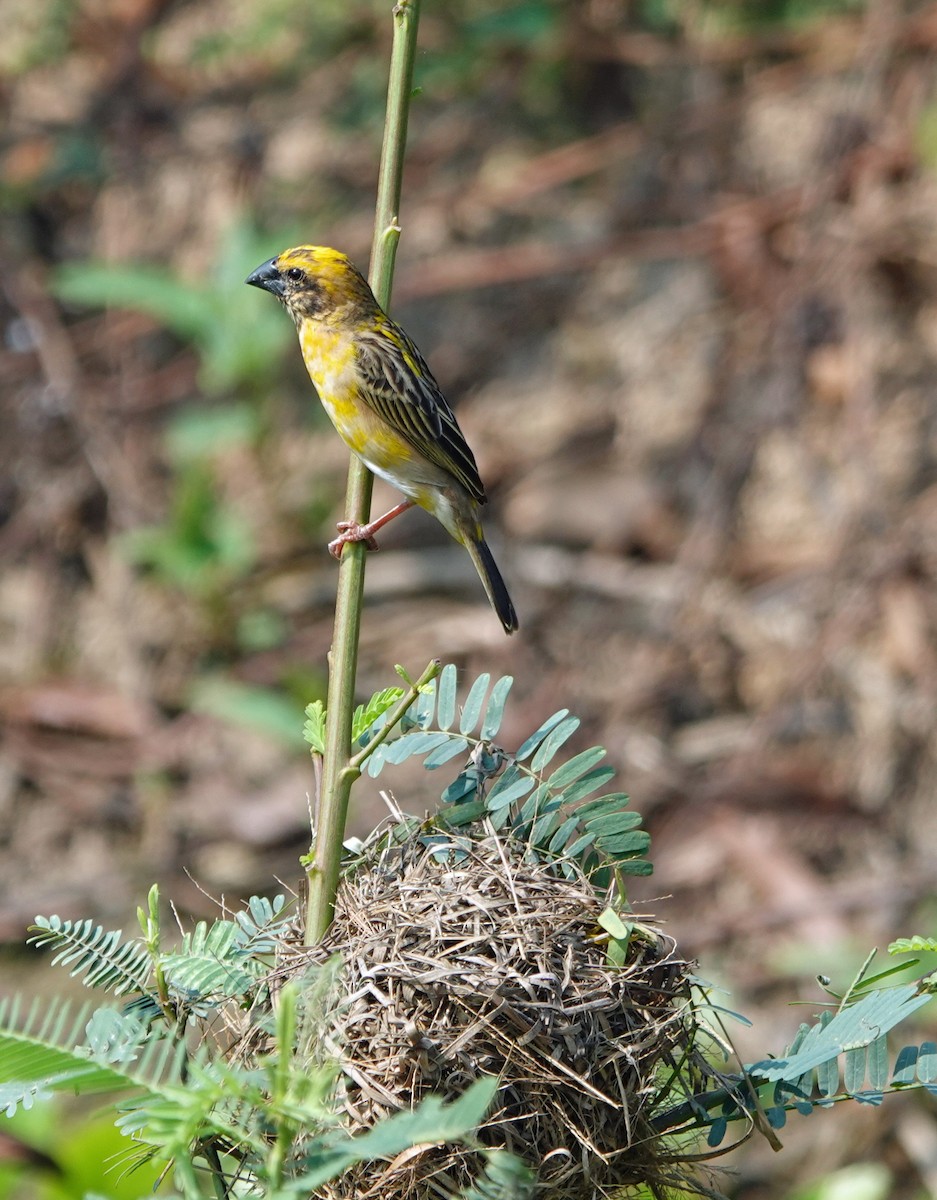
{"x": 487, "y": 964}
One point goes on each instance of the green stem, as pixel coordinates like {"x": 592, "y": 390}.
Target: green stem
{"x": 219, "y": 1183}
{"x": 337, "y": 776}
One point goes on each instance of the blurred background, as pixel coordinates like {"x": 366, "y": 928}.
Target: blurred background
{"x": 675, "y": 264}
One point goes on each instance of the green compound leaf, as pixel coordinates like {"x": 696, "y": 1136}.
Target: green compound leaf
{"x": 314, "y": 728}
{"x": 98, "y": 955}
{"x": 366, "y": 715}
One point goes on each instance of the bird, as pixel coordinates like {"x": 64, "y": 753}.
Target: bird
{"x": 385, "y": 404}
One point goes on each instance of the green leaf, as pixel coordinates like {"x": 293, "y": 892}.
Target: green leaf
{"x": 927, "y": 1062}
{"x": 430, "y": 1123}
{"x": 187, "y": 311}
{"x": 859, "y": 1025}
{"x": 626, "y": 843}
{"x": 509, "y": 786}
{"x": 547, "y": 821}
{"x": 456, "y": 815}
{"x": 553, "y": 741}
{"x": 559, "y": 840}
{"x": 635, "y": 866}
{"x": 114, "y": 1036}
{"x": 570, "y": 771}
{"x": 913, "y": 945}
{"x": 464, "y": 784}
{"x": 905, "y": 1066}
{"x": 613, "y": 801}
{"x": 377, "y": 760}
{"x": 590, "y": 782}
{"x": 365, "y": 715}
{"x": 199, "y": 433}
{"x": 878, "y": 1063}
{"x": 40, "y": 1053}
{"x": 422, "y": 712}
{"x": 99, "y": 955}
{"x": 418, "y": 742}
{"x": 443, "y": 753}
{"x": 717, "y": 1131}
{"x": 828, "y": 1076}
{"x": 530, "y": 744}
{"x": 854, "y": 1069}
{"x": 472, "y": 709}
{"x": 612, "y": 923}
{"x": 494, "y": 713}
{"x": 576, "y": 849}
{"x": 871, "y": 981}
{"x": 505, "y": 1177}
{"x": 212, "y": 963}
{"x": 614, "y": 822}
{"x": 314, "y": 728}
{"x": 446, "y": 693}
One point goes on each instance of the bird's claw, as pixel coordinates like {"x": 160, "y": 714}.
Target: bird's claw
{"x": 351, "y": 531}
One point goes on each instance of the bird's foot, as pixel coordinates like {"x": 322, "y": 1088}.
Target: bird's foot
{"x": 351, "y": 531}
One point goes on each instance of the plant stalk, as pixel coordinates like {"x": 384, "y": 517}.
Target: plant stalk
{"x": 337, "y": 777}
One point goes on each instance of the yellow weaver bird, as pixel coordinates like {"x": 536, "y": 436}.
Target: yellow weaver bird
{"x": 383, "y": 400}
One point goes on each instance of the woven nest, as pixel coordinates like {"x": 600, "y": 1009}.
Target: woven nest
{"x": 496, "y": 966}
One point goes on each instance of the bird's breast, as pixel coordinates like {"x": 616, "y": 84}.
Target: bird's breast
{"x": 331, "y": 363}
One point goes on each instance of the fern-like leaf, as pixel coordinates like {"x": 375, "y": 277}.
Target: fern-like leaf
{"x": 212, "y": 964}
{"x": 550, "y": 807}
{"x": 95, "y": 953}
{"x": 314, "y": 728}
{"x": 263, "y": 925}
{"x": 367, "y": 717}
{"x": 859, "y": 1025}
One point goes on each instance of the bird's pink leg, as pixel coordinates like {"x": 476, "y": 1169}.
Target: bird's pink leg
{"x": 351, "y": 531}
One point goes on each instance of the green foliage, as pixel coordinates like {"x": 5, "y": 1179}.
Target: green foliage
{"x": 365, "y": 722}
{"x": 431, "y": 1121}
{"x": 268, "y": 1122}
{"x": 553, "y": 808}
{"x": 204, "y": 545}
{"x": 236, "y": 339}
{"x": 104, "y": 960}
{"x": 844, "y": 1055}
{"x": 913, "y": 945}
{"x": 222, "y": 961}
{"x": 42, "y": 1051}
{"x": 314, "y": 728}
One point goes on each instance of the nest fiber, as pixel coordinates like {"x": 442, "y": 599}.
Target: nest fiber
{"x": 477, "y": 963}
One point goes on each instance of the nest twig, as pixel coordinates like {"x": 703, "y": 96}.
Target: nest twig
{"x": 478, "y": 962}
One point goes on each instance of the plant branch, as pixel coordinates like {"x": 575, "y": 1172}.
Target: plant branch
{"x": 332, "y": 807}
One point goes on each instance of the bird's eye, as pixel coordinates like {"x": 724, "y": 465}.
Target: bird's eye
{"x": 294, "y": 273}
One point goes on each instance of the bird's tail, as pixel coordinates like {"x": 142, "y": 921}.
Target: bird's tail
{"x": 495, "y": 586}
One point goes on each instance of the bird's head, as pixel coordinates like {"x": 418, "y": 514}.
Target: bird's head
{"x": 314, "y": 282}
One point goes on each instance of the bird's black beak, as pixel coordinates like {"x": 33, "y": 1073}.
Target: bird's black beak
{"x": 267, "y": 276}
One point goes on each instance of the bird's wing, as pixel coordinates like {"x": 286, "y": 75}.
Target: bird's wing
{"x": 398, "y": 385}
